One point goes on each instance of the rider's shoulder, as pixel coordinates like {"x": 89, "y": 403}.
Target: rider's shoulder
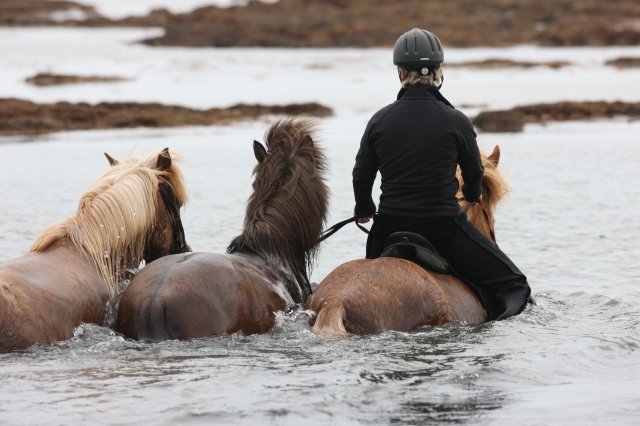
{"x": 458, "y": 117}
{"x": 381, "y": 113}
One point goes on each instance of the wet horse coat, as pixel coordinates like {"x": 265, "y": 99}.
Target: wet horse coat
{"x": 265, "y": 269}
{"x": 75, "y": 265}
{"x": 372, "y": 295}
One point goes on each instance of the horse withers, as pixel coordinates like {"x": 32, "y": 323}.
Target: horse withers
{"x": 73, "y": 268}
{"x": 372, "y": 295}
{"x": 266, "y": 267}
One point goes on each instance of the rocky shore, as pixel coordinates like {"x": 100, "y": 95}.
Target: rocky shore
{"x": 506, "y": 63}
{"x": 363, "y": 23}
{"x": 43, "y": 12}
{"x": 624, "y": 62}
{"x": 47, "y": 79}
{"x": 25, "y": 117}
{"x": 513, "y": 120}
{"x": 369, "y": 23}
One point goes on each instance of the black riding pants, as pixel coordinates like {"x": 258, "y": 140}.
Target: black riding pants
{"x": 501, "y": 287}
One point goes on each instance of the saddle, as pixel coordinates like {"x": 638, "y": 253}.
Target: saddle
{"x": 417, "y": 249}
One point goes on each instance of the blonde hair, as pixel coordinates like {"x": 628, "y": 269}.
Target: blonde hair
{"x": 434, "y": 78}
{"x": 115, "y": 216}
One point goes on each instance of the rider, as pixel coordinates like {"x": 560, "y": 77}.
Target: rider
{"x": 416, "y": 143}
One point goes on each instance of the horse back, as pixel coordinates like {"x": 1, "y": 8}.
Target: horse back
{"x": 374, "y": 295}
{"x": 199, "y": 295}
{"x": 45, "y": 295}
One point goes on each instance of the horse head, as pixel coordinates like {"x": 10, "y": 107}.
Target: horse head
{"x": 494, "y": 188}
{"x": 287, "y": 210}
{"x": 132, "y": 213}
{"x": 166, "y": 235}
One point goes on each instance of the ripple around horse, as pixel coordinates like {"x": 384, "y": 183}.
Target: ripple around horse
{"x": 131, "y": 214}
{"x": 266, "y": 267}
{"x": 372, "y": 295}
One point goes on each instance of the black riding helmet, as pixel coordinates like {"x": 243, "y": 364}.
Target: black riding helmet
{"x": 417, "y": 49}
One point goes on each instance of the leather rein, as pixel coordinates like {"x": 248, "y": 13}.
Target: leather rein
{"x": 335, "y": 228}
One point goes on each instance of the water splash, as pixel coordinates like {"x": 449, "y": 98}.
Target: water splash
{"x": 111, "y": 310}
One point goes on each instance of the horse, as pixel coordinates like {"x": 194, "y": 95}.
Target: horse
{"x": 265, "y": 269}
{"x": 131, "y": 214}
{"x": 366, "y": 296}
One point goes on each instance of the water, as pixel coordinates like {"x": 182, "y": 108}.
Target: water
{"x": 118, "y": 9}
{"x": 570, "y": 224}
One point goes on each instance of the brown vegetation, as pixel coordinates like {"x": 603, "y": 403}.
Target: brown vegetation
{"x": 506, "y": 63}
{"x": 368, "y": 23}
{"x": 624, "y": 62}
{"x": 25, "y": 117}
{"x": 46, "y": 79}
{"x": 513, "y": 120}
{"x": 39, "y": 12}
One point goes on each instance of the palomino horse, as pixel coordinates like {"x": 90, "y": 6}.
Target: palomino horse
{"x": 131, "y": 214}
{"x": 372, "y": 295}
{"x": 266, "y": 268}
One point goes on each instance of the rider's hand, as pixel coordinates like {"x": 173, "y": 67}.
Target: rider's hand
{"x": 364, "y": 219}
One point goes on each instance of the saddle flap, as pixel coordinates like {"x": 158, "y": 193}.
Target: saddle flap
{"x": 415, "y": 248}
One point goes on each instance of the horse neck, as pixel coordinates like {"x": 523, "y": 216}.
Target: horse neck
{"x": 284, "y": 233}
{"x": 113, "y": 249}
{"x": 64, "y": 236}
{"x": 113, "y": 258}
{"x": 494, "y": 188}
{"x": 280, "y": 253}
{"x": 481, "y": 221}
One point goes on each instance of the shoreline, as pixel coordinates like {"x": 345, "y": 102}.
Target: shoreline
{"x": 514, "y": 119}
{"x": 22, "y": 117}
{"x": 358, "y": 23}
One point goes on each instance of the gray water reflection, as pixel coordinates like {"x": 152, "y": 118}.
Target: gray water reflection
{"x": 451, "y": 375}
{"x": 570, "y": 360}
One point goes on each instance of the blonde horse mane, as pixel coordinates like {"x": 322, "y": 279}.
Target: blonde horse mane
{"x": 494, "y": 186}
{"x": 115, "y": 217}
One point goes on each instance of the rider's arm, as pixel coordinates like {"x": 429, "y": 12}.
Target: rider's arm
{"x": 469, "y": 158}
{"x": 364, "y": 175}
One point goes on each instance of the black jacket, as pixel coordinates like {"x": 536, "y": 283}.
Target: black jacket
{"x": 416, "y": 143}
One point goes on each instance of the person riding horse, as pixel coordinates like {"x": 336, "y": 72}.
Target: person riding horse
{"x": 416, "y": 143}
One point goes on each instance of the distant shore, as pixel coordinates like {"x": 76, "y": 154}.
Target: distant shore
{"x": 19, "y": 117}
{"x": 50, "y": 79}
{"x": 361, "y": 23}
{"x": 514, "y": 119}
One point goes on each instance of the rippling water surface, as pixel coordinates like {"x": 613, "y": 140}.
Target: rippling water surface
{"x": 569, "y": 223}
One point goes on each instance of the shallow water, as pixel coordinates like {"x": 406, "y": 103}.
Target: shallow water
{"x": 569, "y": 224}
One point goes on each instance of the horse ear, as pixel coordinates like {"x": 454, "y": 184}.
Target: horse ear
{"x": 495, "y": 156}
{"x": 164, "y": 160}
{"x": 112, "y": 161}
{"x": 259, "y": 151}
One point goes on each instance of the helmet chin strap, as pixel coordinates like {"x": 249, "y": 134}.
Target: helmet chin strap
{"x": 441, "y": 82}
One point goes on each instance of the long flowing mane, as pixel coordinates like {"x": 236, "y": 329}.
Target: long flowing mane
{"x": 287, "y": 210}
{"x": 494, "y": 187}
{"x": 115, "y": 216}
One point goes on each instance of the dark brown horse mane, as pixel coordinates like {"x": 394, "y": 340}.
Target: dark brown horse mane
{"x": 287, "y": 210}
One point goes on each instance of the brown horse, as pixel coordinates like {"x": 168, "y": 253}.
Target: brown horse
{"x": 265, "y": 269}
{"x": 372, "y": 295}
{"x": 131, "y": 214}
